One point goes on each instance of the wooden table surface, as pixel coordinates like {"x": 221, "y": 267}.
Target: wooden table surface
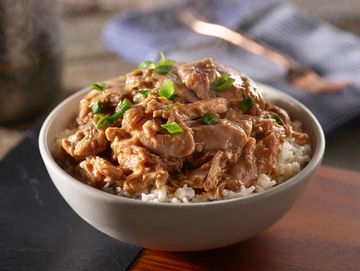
{"x": 321, "y": 232}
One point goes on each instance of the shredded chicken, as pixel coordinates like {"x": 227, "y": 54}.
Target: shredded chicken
{"x": 99, "y": 171}
{"x": 110, "y": 97}
{"x": 194, "y": 134}
{"x": 199, "y": 76}
{"x": 198, "y": 109}
{"x": 220, "y": 136}
{"x": 166, "y": 145}
{"x": 87, "y": 141}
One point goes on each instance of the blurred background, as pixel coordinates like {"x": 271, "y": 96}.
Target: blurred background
{"x": 69, "y": 54}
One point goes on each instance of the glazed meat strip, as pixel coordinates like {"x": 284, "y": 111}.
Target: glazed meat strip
{"x": 151, "y": 135}
{"x": 165, "y": 145}
{"x": 143, "y": 168}
{"x": 99, "y": 171}
{"x": 242, "y": 89}
{"x": 167, "y": 124}
{"x": 221, "y": 136}
{"x": 85, "y": 142}
{"x": 114, "y": 92}
{"x": 143, "y": 79}
{"x": 198, "y": 76}
{"x": 198, "y": 109}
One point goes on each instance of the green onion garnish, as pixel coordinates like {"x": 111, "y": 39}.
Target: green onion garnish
{"x": 172, "y": 128}
{"x": 145, "y": 92}
{"x": 245, "y": 104}
{"x": 97, "y": 107}
{"x": 147, "y": 64}
{"x": 123, "y": 106}
{"x": 210, "y": 119}
{"x": 167, "y": 90}
{"x": 276, "y": 118}
{"x": 119, "y": 112}
{"x": 164, "y": 69}
{"x": 163, "y": 59}
{"x": 223, "y": 82}
{"x": 163, "y": 66}
{"x": 98, "y": 86}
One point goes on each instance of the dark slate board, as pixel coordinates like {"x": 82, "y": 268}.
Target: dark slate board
{"x": 38, "y": 230}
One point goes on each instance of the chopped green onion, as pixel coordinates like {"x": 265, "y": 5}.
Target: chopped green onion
{"x": 276, "y": 118}
{"x": 163, "y": 66}
{"x": 245, "y": 104}
{"x": 123, "y": 106}
{"x": 167, "y": 90}
{"x": 210, "y": 119}
{"x": 223, "y": 82}
{"x": 145, "y": 92}
{"x": 163, "y": 69}
{"x": 105, "y": 120}
{"x": 119, "y": 112}
{"x": 147, "y": 64}
{"x": 172, "y": 128}
{"x": 162, "y": 58}
{"x": 98, "y": 86}
{"x": 97, "y": 107}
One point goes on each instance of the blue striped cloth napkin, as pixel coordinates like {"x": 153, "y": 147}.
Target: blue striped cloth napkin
{"x": 138, "y": 35}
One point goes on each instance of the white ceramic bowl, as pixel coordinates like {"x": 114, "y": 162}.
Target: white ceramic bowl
{"x": 180, "y": 227}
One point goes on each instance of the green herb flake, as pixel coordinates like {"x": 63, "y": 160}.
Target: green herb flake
{"x": 123, "y": 106}
{"x": 163, "y": 69}
{"x": 276, "y": 118}
{"x": 167, "y": 90}
{"x": 245, "y": 104}
{"x": 164, "y": 65}
{"x": 162, "y": 58}
{"x": 147, "y": 64}
{"x": 210, "y": 119}
{"x": 97, "y": 107}
{"x": 98, "y": 86}
{"x": 172, "y": 128}
{"x": 145, "y": 92}
{"x": 105, "y": 120}
{"x": 223, "y": 82}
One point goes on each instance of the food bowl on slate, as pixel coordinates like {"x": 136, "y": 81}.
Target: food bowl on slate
{"x": 181, "y": 227}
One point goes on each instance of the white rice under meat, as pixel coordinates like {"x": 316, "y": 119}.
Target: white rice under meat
{"x": 291, "y": 159}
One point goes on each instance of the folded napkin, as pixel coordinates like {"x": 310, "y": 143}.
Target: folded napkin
{"x": 139, "y": 35}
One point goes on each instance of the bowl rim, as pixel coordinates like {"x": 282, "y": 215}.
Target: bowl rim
{"x": 315, "y": 161}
